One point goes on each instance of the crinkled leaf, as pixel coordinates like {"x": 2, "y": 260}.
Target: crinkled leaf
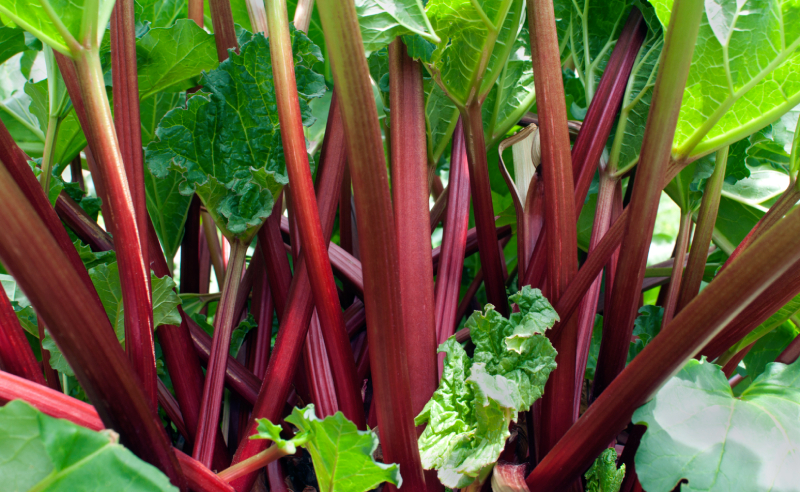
{"x": 226, "y": 144}
{"x": 341, "y": 453}
{"x": 604, "y": 476}
{"x": 469, "y": 414}
{"x": 92, "y": 259}
{"x": 173, "y": 58}
{"x": 698, "y": 431}
{"x": 383, "y": 20}
{"x": 40, "y": 452}
{"x": 743, "y": 74}
{"x": 465, "y": 42}
{"x": 268, "y": 430}
{"x": 31, "y": 16}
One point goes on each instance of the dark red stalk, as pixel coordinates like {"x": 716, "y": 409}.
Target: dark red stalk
{"x": 213, "y": 246}
{"x": 313, "y": 240}
{"x": 211, "y": 403}
{"x": 471, "y": 246}
{"x": 790, "y": 353}
{"x": 454, "y": 241}
{"x": 772, "y": 299}
{"x": 596, "y": 128}
{"x": 377, "y": 239}
{"x": 279, "y": 273}
{"x": 346, "y": 228}
{"x": 139, "y": 326}
{"x": 604, "y": 106}
{"x": 412, "y": 220}
{"x": 172, "y": 409}
{"x": 84, "y": 335}
{"x": 635, "y": 433}
{"x": 439, "y": 207}
{"x": 559, "y": 217}
{"x": 729, "y": 366}
{"x": 190, "y": 250}
{"x": 237, "y": 377}
{"x": 16, "y": 163}
{"x": 299, "y": 304}
{"x": 681, "y": 245}
{"x": 82, "y": 225}
{"x": 725, "y": 298}
{"x": 200, "y": 478}
{"x": 650, "y": 174}
{"x": 706, "y": 218}
{"x": 588, "y": 308}
{"x": 16, "y": 355}
{"x": 224, "y": 31}
{"x": 263, "y": 307}
{"x": 76, "y": 172}
{"x": 491, "y": 262}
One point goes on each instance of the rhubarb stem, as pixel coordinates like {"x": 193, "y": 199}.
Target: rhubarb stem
{"x": 706, "y": 218}
{"x": 215, "y": 376}
{"x": 662, "y": 119}
{"x": 681, "y": 244}
{"x": 256, "y": 462}
{"x": 482, "y": 203}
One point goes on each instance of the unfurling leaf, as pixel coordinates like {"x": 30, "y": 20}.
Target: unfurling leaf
{"x": 698, "y": 431}
{"x": 468, "y": 416}
{"x": 39, "y": 452}
{"x": 341, "y": 453}
{"x": 226, "y": 145}
{"x": 604, "y": 476}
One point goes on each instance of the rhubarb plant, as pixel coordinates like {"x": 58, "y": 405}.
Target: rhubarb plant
{"x": 468, "y": 416}
{"x": 342, "y": 454}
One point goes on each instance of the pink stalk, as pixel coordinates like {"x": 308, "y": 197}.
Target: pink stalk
{"x": 16, "y": 355}
{"x": 559, "y": 217}
{"x": 454, "y": 241}
{"x": 412, "y": 219}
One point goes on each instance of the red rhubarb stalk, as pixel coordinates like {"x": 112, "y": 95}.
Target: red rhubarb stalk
{"x": 377, "y": 239}
{"x": 412, "y": 219}
{"x": 725, "y": 298}
{"x": 314, "y": 245}
{"x": 16, "y": 355}
{"x": 84, "y": 335}
{"x": 559, "y": 215}
{"x": 654, "y": 159}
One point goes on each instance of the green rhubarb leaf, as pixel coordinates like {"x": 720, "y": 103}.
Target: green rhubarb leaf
{"x": 341, "y": 453}
{"x": 469, "y": 414}
{"x": 381, "y": 21}
{"x": 40, "y": 452}
{"x": 159, "y": 13}
{"x": 477, "y": 37}
{"x": 226, "y": 144}
{"x": 93, "y": 259}
{"x": 699, "y": 432}
{"x": 743, "y": 74}
{"x": 71, "y": 140}
{"x": 589, "y": 29}
{"x": 241, "y": 331}
{"x": 604, "y": 476}
{"x": 173, "y": 58}
{"x": 513, "y": 94}
{"x": 626, "y": 138}
{"x": 768, "y": 348}
{"x": 105, "y": 278}
{"x": 12, "y": 41}
{"x": 646, "y": 327}
{"x": 64, "y": 21}
{"x": 441, "y": 116}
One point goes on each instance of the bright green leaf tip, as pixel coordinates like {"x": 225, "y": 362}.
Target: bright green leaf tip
{"x": 342, "y": 454}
